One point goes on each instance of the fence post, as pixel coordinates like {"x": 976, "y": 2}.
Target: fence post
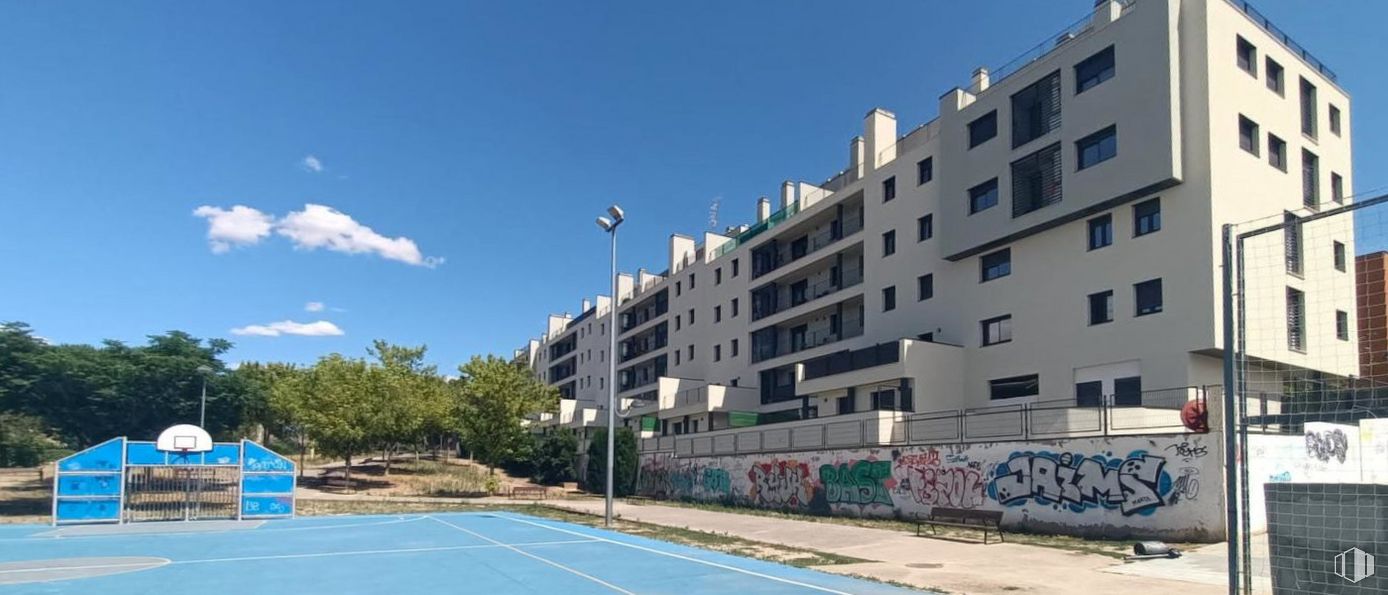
{"x": 1231, "y": 488}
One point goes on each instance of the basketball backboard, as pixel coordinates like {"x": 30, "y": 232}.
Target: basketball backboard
{"x": 184, "y": 438}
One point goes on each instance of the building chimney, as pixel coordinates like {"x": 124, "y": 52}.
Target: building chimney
{"x": 763, "y": 209}
{"x": 879, "y": 133}
{"x": 787, "y": 194}
{"x": 586, "y": 305}
{"x": 1105, "y": 12}
{"x": 980, "y": 81}
{"x": 856, "y": 149}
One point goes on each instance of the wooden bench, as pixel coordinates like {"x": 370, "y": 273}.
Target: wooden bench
{"x": 987, "y": 520}
{"x": 528, "y": 493}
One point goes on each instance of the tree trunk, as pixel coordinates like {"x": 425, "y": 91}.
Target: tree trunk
{"x": 347, "y": 474}
{"x": 385, "y": 456}
{"x": 303, "y": 451}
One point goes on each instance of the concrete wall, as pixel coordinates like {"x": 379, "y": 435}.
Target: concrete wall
{"x": 1166, "y": 487}
{"x": 1323, "y": 453}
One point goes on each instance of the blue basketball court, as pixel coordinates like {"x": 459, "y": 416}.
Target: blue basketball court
{"x": 417, "y": 553}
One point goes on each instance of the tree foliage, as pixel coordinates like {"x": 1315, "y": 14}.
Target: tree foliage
{"x": 495, "y": 397}
{"x": 623, "y": 464}
{"x": 555, "y": 456}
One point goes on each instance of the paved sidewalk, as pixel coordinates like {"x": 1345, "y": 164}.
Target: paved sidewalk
{"x": 923, "y": 562}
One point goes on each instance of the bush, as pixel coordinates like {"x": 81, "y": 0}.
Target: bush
{"x": 555, "y": 457}
{"x": 23, "y": 442}
{"x": 624, "y": 463}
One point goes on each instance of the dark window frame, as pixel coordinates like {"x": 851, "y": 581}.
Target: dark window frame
{"x": 1246, "y": 56}
{"x": 998, "y": 268}
{"x": 983, "y": 129}
{"x": 925, "y": 170}
{"x": 1277, "y": 152}
{"x": 1037, "y": 181}
{"x": 1097, "y": 140}
{"x": 1276, "y": 76}
{"x": 1102, "y": 223}
{"x": 1012, "y": 386}
{"x": 889, "y": 298}
{"x": 1146, "y": 222}
{"x": 1141, "y": 309}
{"x": 1106, "y": 316}
{"x": 983, "y": 327}
{"x": 889, "y": 189}
{"x": 925, "y": 287}
{"x": 925, "y": 227}
{"x": 980, "y": 191}
{"x": 1249, "y": 135}
{"x": 1036, "y": 110}
{"x": 1099, "y": 67}
{"x": 888, "y": 243}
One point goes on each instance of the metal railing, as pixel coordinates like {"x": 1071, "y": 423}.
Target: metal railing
{"x": 1284, "y": 39}
{"x": 848, "y": 361}
{"x": 1160, "y": 412}
{"x": 775, "y": 219}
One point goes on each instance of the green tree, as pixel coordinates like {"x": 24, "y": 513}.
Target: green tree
{"x": 337, "y": 408}
{"x": 623, "y": 464}
{"x": 24, "y": 441}
{"x": 495, "y": 397}
{"x": 555, "y": 457}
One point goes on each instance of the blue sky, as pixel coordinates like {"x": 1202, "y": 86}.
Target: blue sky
{"x": 486, "y": 134}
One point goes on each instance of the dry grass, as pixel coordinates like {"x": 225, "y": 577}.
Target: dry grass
{"x": 24, "y": 498}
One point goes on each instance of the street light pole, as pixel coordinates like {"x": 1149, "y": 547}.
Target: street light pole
{"x": 202, "y": 410}
{"x": 610, "y": 226}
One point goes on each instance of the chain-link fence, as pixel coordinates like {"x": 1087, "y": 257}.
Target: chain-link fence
{"x": 1307, "y": 354}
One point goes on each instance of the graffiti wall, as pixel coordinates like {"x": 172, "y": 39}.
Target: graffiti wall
{"x": 1321, "y": 453}
{"x": 1118, "y": 487}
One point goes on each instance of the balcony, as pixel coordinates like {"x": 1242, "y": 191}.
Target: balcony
{"x": 563, "y": 348}
{"x": 645, "y": 342}
{"x": 647, "y": 310}
{"x": 935, "y": 368}
{"x": 828, "y": 276}
{"x": 830, "y": 324}
{"x": 816, "y": 233}
{"x": 642, "y": 374}
{"x": 707, "y": 398}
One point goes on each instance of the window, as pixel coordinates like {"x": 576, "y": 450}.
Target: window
{"x": 733, "y": 303}
{"x": 1097, "y": 148}
{"x": 983, "y": 129}
{"x": 1308, "y": 108}
{"x": 677, "y": 322}
{"x": 718, "y": 276}
{"x": 995, "y": 265}
{"x": 1339, "y": 250}
{"x": 1036, "y": 181}
{"x": 1291, "y": 243}
{"x": 925, "y": 228}
{"x": 677, "y": 356}
{"x": 732, "y": 349}
{"x": 1277, "y": 152}
{"x": 1342, "y": 325}
{"x": 1146, "y": 217}
{"x": 925, "y": 287}
{"x": 691, "y": 283}
{"x": 1274, "y": 75}
{"x": 1247, "y": 56}
{"x": 678, "y": 289}
{"x": 1089, "y": 394}
{"x": 889, "y": 189}
{"x": 717, "y": 353}
{"x": 889, "y": 243}
{"x": 1147, "y": 296}
{"x": 1248, "y": 135}
{"x": 735, "y": 267}
{"x": 983, "y": 196}
{"x": 1337, "y": 187}
{"x": 1094, "y": 70}
{"x": 691, "y": 316}
{"x": 889, "y": 298}
{"x": 1334, "y": 119}
{"x": 1014, "y": 387}
{"x": 1100, "y": 231}
{"x": 997, "y": 330}
{"x": 717, "y": 314}
{"x": 1310, "y": 179}
{"x": 1101, "y": 307}
{"x": 1036, "y": 110}
{"x": 1296, "y": 320}
{"x": 925, "y": 170}
{"x": 1127, "y": 391}
{"x": 691, "y": 354}
{"x": 847, "y": 403}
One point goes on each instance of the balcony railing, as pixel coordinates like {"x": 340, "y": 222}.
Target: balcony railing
{"x": 848, "y": 361}
{"x": 1284, "y": 39}
{"x": 775, "y": 219}
{"x": 785, "y": 253}
{"x": 809, "y": 340}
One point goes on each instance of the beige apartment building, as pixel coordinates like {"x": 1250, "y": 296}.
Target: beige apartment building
{"x": 1053, "y": 235}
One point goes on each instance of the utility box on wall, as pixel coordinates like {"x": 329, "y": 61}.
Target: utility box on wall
{"x": 1324, "y": 537}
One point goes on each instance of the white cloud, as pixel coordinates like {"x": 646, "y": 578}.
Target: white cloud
{"x": 316, "y": 226}
{"x": 319, "y": 226}
{"x": 314, "y": 307}
{"x": 321, "y": 328}
{"x": 311, "y": 164}
{"x": 239, "y": 226}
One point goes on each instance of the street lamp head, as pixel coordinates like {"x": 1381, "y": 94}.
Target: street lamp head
{"x": 616, "y": 212}
{"x": 604, "y": 224}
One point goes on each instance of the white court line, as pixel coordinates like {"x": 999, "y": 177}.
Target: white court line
{"x": 545, "y": 560}
{"x": 249, "y": 531}
{"x": 297, "y": 556}
{"x": 681, "y": 557}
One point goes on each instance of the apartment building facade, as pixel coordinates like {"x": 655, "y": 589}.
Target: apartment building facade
{"x": 1052, "y": 235}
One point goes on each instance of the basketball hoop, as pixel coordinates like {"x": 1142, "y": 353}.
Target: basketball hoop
{"x": 184, "y": 439}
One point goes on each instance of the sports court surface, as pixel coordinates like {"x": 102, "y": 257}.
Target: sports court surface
{"x": 417, "y": 553}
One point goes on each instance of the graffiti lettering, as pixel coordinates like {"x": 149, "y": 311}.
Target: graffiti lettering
{"x": 1326, "y": 445}
{"x": 1188, "y": 451}
{"x": 1185, "y": 487}
{"x": 1135, "y": 485}
{"x": 683, "y": 482}
{"x": 863, "y": 482}
{"x": 926, "y": 481}
{"x": 781, "y": 484}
